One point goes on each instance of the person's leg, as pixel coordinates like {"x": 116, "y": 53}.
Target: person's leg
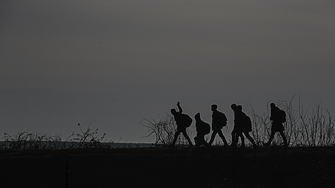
{"x": 242, "y": 139}
{"x": 202, "y": 140}
{"x": 271, "y": 138}
{"x": 196, "y": 141}
{"x": 223, "y": 138}
{"x": 175, "y": 137}
{"x": 187, "y": 138}
{"x": 250, "y": 138}
{"x": 284, "y": 138}
{"x": 235, "y": 136}
{"x": 205, "y": 143}
{"x": 212, "y": 137}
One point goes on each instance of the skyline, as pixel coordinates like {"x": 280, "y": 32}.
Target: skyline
{"x": 73, "y": 61}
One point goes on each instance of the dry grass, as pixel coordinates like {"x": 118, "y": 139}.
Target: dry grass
{"x": 302, "y": 127}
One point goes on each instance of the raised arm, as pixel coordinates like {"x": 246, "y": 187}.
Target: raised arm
{"x": 179, "y": 108}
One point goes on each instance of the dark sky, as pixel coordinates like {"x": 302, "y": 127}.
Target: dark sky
{"x": 69, "y": 61}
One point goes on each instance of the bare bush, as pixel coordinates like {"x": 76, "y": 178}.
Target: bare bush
{"x": 261, "y": 125}
{"x": 28, "y": 140}
{"x": 163, "y": 130}
{"x": 89, "y": 138}
{"x": 302, "y": 127}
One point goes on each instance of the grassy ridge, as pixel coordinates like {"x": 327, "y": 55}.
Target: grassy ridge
{"x": 36, "y": 160}
{"x": 166, "y": 167}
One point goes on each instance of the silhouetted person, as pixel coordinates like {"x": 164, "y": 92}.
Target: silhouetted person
{"x": 278, "y": 117}
{"x": 183, "y": 121}
{"x": 237, "y": 130}
{"x": 244, "y": 126}
{"x": 202, "y": 129}
{"x": 219, "y": 120}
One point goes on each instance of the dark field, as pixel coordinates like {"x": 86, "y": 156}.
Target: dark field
{"x": 165, "y": 167}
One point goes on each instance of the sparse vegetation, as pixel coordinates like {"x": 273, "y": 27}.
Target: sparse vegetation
{"x": 302, "y": 127}
{"x": 28, "y": 140}
{"x": 89, "y": 138}
{"x": 42, "y": 159}
{"x": 163, "y": 130}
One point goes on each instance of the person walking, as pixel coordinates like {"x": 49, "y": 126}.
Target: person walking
{"x": 183, "y": 121}
{"x": 237, "y": 130}
{"x": 202, "y": 129}
{"x": 243, "y": 123}
{"x": 278, "y": 117}
{"x": 219, "y": 120}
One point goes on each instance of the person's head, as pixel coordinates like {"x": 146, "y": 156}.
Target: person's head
{"x": 173, "y": 111}
{"x": 197, "y": 116}
{"x": 233, "y": 106}
{"x": 239, "y": 107}
{"x": 214, "y": 107}
{"x": 272, "y": 105}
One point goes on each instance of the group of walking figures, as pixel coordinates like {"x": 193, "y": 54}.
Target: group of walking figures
{"x": 242, "y": 126}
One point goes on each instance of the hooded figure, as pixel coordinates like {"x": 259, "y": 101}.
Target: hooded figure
{"x": 242, "y": 124}
{"x": 278, "y": 117}
{"x": 202, "y": 129}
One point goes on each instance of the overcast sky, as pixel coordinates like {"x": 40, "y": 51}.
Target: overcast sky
{"x": 69, "y": 61}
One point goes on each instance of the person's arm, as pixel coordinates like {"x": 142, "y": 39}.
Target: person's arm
{"x": 179, "y": 108}
{"x": 271, "y": 115}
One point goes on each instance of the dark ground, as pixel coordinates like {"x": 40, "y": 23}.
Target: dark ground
{"x": 164, "y": 167}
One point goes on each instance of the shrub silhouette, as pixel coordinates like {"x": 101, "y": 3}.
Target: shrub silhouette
{"x": 28, "y": 140}
{"x": 163, "y": 130}
{"x": 302, "y": 127}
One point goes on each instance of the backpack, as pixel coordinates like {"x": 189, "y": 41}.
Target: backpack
{"x": 248, "y": 124}
{"x": 206, "y": 128}
{"x": 247, "y": 120}
{"x": 223, "y": 119}
{"x": 186, "y": 120}
{"x": 281, "y": 116}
